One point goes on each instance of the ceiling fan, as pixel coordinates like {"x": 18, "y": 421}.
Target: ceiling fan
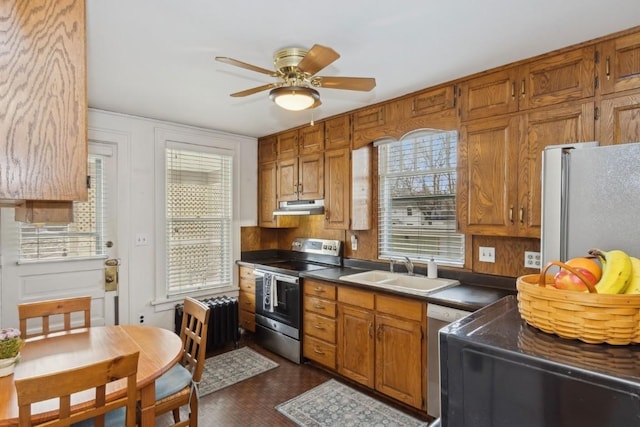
{"x": 296, "y": 70}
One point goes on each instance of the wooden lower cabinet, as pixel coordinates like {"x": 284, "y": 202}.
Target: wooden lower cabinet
{"x": 381, "y": 343}
{"x": 319, "y": 322}
{"x": 247, "y": 299}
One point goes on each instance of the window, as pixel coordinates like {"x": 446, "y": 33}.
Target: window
{"x": 81, "y": 239}
{"x": 417, "y": 198}
{"x": 198, "y": 219}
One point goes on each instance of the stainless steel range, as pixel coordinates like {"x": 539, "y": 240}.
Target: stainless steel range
{"x": 279, "y": 293}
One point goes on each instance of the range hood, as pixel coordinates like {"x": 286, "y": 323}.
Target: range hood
{"x": 301, "y": 207}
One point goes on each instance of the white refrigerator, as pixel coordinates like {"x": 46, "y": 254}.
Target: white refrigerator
{"x": 590, "y": 199}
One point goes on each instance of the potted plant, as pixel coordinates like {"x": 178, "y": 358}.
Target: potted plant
{"x": 10, "y": 344}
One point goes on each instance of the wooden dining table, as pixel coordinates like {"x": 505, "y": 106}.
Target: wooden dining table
{"x": 160, "y": 349}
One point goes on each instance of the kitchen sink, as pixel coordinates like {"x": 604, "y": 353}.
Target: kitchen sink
{"x": 417, "y": 285}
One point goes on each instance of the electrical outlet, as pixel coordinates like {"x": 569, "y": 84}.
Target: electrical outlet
{"x": 354, "y": 242}
{"x": 487, "y": 254}
{"x": 532, "y": 259}
{"x": 142, "y": 239}
{"x": 141, "y": 318}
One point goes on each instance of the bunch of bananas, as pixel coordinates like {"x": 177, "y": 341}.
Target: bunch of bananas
{"x": 620, "y": 272}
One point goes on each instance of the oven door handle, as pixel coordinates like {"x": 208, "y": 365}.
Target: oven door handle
{"x": 278, "y": 277}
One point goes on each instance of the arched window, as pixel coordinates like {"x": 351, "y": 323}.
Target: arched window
{"x": 417, "y": 198}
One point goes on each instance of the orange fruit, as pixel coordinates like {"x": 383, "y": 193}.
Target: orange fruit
{"x": 589, "y": 264}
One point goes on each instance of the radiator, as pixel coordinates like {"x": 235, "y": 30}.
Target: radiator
{"x": 223, "y": 321}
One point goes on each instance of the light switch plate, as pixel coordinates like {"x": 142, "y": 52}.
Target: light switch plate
{"x": 487, "y": 254}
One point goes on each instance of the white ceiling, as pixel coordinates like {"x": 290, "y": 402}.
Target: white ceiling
{"x": 155, "y": 58}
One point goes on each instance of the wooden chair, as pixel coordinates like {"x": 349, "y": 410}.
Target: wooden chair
{"x": 179, "y": 386}
{"x": 45, "y": 309}
{"x": 64, "y": 383}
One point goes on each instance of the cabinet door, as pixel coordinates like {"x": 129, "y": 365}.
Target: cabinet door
{"x": 311, "y": 176}
{"x": 311, "y": 139}
{"x": 267, "y": 203}
{"x": 267, "y": 149}
{"x": 620, "y": 120}
{"x": 287, "y": 183}
{"x": 369, "y": 125}
{"x": 356, "y": 344}
{"x": 337, "y": 133}
{"x": 619, "y": 66}
{"x": 487, "y": 190}
{"x": 559, "y": 125}
{"x": 559, "y": 78}
{"x": 429, "y": 102}
{"x": 287, "y": 145}
{"x": 397, "y": 342}
{"x": 43, "y": 130}
{"x": 489, "y": 95}
{"x": 336, "y": 172}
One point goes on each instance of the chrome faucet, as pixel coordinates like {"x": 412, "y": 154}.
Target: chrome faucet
{"x": 409, "y": 265}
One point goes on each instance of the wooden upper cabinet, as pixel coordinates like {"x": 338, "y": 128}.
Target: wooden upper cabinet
{"x": 559, "y": 78}
{"x": 43, "y": 131}
{"x": 550, "y": 80}
{"x": 267, "y": 149}
{"x": 500, "y": 163}
{"x": 429, "y": 102}
{"x": 487, "y": 190}
{"x": 550, "y": 126}
{"x": 337, "y": 189}
{"x": 311, "y": 139}
{"x": 489, "y": 95}
{"x": 619, "y": 64}
{"x": 374, "y": 123}
{"x": 619, "y": 121}
{"x": 337, "y": 133}
{"x": 267, "y": 198}
{"x": 288, "y": 144}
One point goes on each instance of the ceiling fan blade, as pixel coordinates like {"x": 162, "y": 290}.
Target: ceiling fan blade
{"x": 317, "y": 58}
{"x": 246, "y": 66}
{"x": 350, "y": 83}
{"x": 254, "y": 90}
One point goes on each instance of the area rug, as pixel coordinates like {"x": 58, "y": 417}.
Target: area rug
{"x": 232, "y": 367}
{"x": 335, "y": 404}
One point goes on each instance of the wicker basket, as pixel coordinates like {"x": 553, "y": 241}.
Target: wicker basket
{"x": 590, "y": 317}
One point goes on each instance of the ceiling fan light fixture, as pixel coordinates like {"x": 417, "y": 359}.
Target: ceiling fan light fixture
{"x": 295, "y": 98}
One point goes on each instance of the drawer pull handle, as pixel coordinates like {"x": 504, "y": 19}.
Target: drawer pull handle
{"x": 247, "y": 302}
{"x": 315, "y": 350}
{"x": 318, "y": 306}
{"x": 319, "y": 327}
{"x": 319, "y": 290}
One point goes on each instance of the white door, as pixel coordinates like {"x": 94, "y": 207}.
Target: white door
{"x": 78, "y": 252}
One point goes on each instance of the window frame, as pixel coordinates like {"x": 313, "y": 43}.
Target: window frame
{"x": 195, "y": 141}
{"x": 386, "y": 252}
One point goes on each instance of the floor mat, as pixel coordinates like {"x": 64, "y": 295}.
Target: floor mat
{"x": 232, "y": 367}
{"x": 335, "y": 404}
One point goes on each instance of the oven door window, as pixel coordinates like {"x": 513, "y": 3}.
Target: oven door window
{"x": 286, "y": 304}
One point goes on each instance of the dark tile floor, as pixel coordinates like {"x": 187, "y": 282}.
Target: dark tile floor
{"x": 252, "y": 402}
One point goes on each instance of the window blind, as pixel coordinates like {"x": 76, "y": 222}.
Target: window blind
{"x": 84, "y": 237}
{"x": 417, "y": 198}
{"x": 198, "y": 220}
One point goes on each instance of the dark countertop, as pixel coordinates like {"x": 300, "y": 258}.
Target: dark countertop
{"x": 474, "y": 292}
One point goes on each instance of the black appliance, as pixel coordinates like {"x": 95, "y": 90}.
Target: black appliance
{"x": 499, "y": 371}
{"x": 279, "y": 294}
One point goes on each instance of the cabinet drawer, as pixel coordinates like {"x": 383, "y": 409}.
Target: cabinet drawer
{"x": 320, "y": 306}
{"x": 401, "y": 307}
{"x": 247, "y": 273}
{"x": 247, "y": 320}
{"x": 247, "y": 285}
{"x": 320, "y": 327}
{"x": 320, "y": 289}
{"x": 247, "y": 301}
{"x": 356, "y": 297}
{"x": 319, "y": 351}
